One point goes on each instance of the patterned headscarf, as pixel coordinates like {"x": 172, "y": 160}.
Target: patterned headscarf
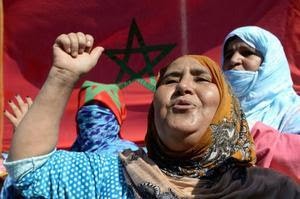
{"x": 227, "y": 138}
{"x": 226, "y": 146}
{"x": 100, "y": 114}
{"x": 108, "y": 94}
{"x": 270, "y": 97}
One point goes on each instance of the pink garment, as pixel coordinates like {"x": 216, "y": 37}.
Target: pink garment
{"x": 279, "y": 151}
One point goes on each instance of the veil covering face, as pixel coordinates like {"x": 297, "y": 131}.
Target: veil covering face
{"x": 271, "y": 98}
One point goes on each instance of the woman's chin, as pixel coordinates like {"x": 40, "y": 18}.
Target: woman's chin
{"x": 185, "y": 129}
{"x": 184, "y": 124}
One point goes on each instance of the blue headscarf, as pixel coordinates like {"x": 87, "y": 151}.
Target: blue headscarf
{"x": 99, "y": 118}
{"x": 269, "y": 95}
{"x": 99, "y": 131}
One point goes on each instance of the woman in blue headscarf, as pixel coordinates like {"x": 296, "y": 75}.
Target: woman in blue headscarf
{"x": 256, "y": 66}
{"x": 99, "y": 118}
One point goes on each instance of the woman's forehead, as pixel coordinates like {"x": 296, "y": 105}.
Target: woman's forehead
{"x": 236, "y": 43}
{"x": 187, "y": 63}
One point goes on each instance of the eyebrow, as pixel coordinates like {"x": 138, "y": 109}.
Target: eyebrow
{"x": 242, "y": 47}
{"x": 199, "y": 71}
{"x": 194, "y": 72}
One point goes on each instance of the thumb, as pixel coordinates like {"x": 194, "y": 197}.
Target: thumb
{"x": 96, "y": 53}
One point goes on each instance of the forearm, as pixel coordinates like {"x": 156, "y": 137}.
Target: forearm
{"x": 37, "y": 133}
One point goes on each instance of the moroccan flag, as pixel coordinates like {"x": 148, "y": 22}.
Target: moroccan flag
{"x": 140, "y": 37}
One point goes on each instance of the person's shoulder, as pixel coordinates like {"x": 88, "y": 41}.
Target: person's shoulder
{"x": 272, "y": 178}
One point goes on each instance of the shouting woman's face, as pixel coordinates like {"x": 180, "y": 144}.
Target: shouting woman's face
{"x": 184, "y": 103}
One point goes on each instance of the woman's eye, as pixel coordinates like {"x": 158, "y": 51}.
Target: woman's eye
{"x": 170, "y": 81}
{"x": 247, "y": 53}
{"x": 227, "y": 56}
{"x": 202, "y": 79}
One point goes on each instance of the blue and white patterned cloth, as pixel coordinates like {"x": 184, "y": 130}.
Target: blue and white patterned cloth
{"x": 64, "y": 174}
{"x": 270, "y": 97}
{"x": 99, "y": 131}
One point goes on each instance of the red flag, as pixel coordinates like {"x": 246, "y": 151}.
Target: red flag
{"x": 139, "y": 37}
{"x": 1, "y": 76}
{"x": 292, "y": 41}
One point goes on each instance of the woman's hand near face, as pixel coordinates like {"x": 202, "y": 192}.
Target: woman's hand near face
{"x": 37, "y": 134}
{"x": 19, "y": 110}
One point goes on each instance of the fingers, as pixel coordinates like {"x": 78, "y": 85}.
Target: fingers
{"x": 89, "y": 42}
{"x": 15, "y": 109}
{"x": 64, "y": 42}
{"x": 13, "y": 120}
{"x": 29, "y": 101}
{"x": 22, "y": 105}
{"x": 75, "y": 43}
{"x": 19, "y": 109}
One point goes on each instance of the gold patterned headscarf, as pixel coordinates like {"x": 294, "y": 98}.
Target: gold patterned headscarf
{"x": 225, "y": 146}
{"x": 228, "y": 136}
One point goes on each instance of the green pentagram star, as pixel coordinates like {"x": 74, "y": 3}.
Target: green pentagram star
{"x": 142, "y": 49}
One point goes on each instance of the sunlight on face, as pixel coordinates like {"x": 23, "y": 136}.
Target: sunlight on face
{"x": 185, "y": 103}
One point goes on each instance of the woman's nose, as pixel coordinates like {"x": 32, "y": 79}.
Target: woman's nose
{"x": 185, "y": 86}
{"x": 236, "y": 60}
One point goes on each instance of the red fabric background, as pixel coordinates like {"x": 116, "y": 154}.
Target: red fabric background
{"x": 195, "y": 26}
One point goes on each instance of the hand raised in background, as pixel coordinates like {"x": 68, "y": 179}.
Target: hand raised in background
{"x": 19, "y": 109}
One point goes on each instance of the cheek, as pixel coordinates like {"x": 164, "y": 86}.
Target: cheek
{"x": 253, "y": 64}
{"x": 163, "y": 95}
{"x": 210, "y": 97}
{"x": 160, "y": 112}
{"x": 160, "y": 101}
